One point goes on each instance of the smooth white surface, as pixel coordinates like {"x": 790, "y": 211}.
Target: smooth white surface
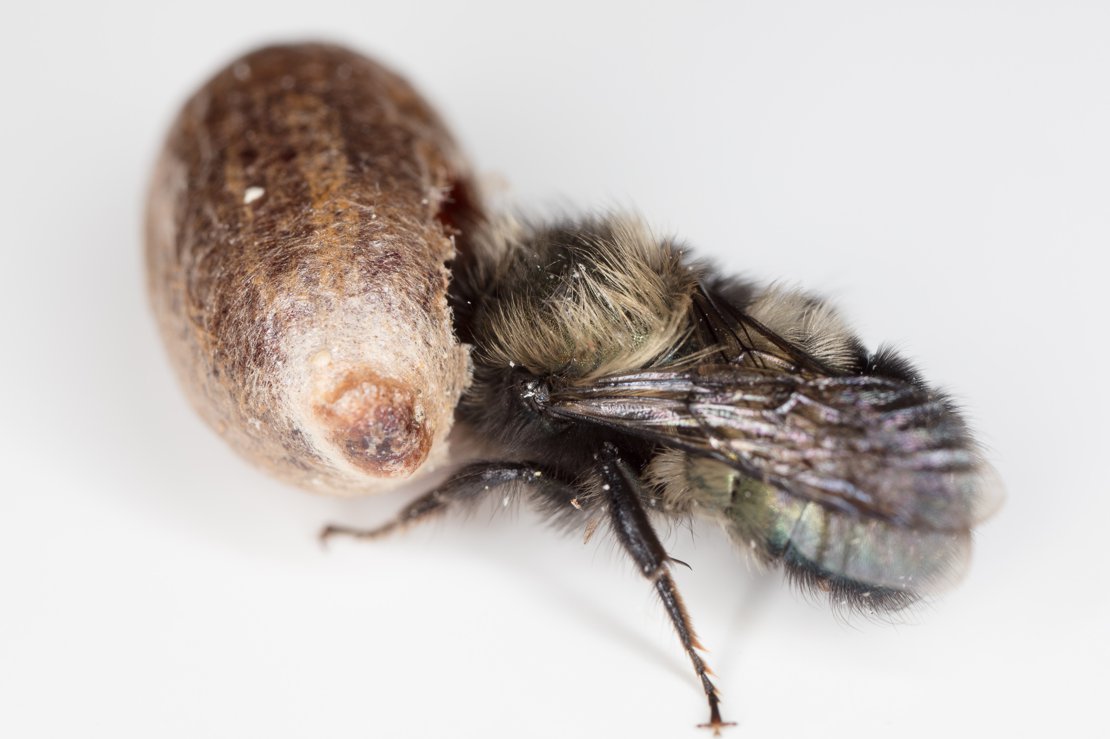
{"x": 942, "y": 169}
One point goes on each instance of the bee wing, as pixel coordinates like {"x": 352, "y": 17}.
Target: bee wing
{"x": 867, "y": 446}
{"x": 738, "y": 338}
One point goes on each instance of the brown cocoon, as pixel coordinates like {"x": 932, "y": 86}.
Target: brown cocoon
{"x": 298, "y": 226}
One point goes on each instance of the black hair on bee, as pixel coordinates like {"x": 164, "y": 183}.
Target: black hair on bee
{"x": 617, "y": 376}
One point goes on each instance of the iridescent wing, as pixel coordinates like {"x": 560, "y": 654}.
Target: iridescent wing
{"x": 873, "y": 446}
{"x": 855, "y": 479}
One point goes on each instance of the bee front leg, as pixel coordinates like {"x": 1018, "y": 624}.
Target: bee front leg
{"x": 621, "y": 488}
{"x": 468, "y": 485}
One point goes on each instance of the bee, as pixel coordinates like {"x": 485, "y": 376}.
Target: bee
{"x": 619, "y": 379}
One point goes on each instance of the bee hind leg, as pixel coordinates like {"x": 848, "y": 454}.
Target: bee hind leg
{"x": 633, "y": 529}
{"x": 468, "y": 485}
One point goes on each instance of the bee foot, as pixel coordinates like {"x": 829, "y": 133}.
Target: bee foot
{"x": 716, "y": 724}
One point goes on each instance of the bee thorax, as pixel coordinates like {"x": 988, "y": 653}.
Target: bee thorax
{"x": 579, "y": 299}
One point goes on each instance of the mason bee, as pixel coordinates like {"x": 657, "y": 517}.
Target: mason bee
{"x": 298, "y": 233}
{"x": 619, "y": 379}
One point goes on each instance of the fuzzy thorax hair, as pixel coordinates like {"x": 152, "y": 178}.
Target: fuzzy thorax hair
{"x": 579, "y": 299}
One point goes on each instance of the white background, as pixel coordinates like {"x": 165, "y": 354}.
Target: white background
{"x": 941, "y": 168}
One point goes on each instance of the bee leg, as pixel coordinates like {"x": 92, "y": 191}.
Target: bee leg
{"x": 634, "y": 531}
{"x": 468, "y": 485}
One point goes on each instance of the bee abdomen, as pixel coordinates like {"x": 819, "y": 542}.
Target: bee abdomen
{"x": 843, "y": 592}
{"x": 863, "y": 563}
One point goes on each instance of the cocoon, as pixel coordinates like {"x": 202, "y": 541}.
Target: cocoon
{"x": 299, "y": 224}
